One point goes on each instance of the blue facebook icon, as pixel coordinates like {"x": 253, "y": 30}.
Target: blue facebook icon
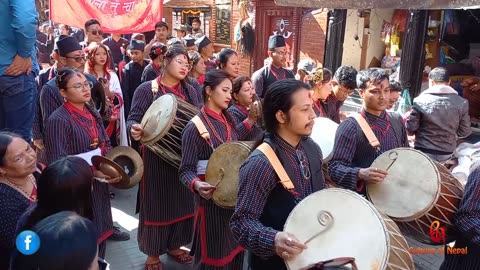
{"x": 27, "y": 242}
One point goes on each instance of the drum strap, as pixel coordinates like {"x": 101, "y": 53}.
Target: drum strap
{"x": 267, "y": 150}
{"x": 367, "y": 130}
{"x": 201, "y": 128}
{"x": 154, "y": 87}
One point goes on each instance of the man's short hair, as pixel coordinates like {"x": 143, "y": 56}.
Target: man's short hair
{"x": 161, "y": 24}
{"x": 395, "y": 86}
{"x": 346, "y": 76}
{"x": 370, "y": 75}
{"x": 197, "y": 20}
{"x": 439, "y": 74}
{"x": 90, "y": 23}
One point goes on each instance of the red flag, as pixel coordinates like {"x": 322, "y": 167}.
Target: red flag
{"x": 115, "y": 16}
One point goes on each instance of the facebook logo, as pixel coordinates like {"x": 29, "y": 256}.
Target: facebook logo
{"x": 27, "y": 242}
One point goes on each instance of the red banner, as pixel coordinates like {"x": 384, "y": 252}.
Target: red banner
{"x": 115, "y": 16}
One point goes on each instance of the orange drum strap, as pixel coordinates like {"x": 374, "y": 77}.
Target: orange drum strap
{"x": 201, "y": 128}
{"x": 367, "y": 130}
{"x": 267, "y": 150}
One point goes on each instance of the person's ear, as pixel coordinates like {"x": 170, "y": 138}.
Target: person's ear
{"x": 281, "y": 117}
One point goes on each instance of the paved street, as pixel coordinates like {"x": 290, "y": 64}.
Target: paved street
{"x": 126, "y": 255}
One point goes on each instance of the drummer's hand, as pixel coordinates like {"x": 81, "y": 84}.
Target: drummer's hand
{"x": 287, "y": 242}
{"x": 204, "y": 189}
{"x": 105, "y": 178}
{"x": 136, "y": 132}
{"x": 372, "y": 175}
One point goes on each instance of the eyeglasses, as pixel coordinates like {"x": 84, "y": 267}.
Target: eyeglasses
{"x": 80, "y": 86}
{"x": 97, "y": 32}
{"x": 302, "y": 161}
{"x": 346, "y": 91}
{"x": 78, "y": 59}
{"x": 186, "y": 65}
{"x": 281, "y": 53}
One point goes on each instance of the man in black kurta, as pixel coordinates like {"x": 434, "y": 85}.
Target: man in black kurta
{"x": 264, "y": 77}
{"x": 132, "y": 72}
{"x": 205, "y": 48}
{"x": 352, "y": 153}
{"x": 263, "y": 202}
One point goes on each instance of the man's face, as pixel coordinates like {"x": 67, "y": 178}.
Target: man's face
{"x": 208, "y": 50}
{"x": 195, "y": 26}
{"x": 376, "y": 96}
{"x": 136, "y": 56}
{"x": 181, "y": 34}
{"x": 94, "y": 33}
{"x": 161, "y": 33}
{"x": 299, "y": 119}
{"x": 74, "y": 60}
{"x": 341, "y": 92}
{"x": 394, "y": 96}
{"x": 279, "y": 56}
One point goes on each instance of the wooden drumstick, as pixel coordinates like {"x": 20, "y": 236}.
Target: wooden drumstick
{"x": 325, "y": 219}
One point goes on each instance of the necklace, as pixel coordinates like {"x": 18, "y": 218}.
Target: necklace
{"x": 32, "y": 197}
{"x": 225, "y": 123}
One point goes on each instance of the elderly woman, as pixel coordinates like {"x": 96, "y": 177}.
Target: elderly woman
{"x": 18, "y": 188}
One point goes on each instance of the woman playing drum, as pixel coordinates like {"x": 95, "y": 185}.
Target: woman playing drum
{"x": 76, "y": 128}
{"x": 263, "y": 203}
{"x": 166, "y": 206}
{"x": 243, "y": 95}
{"x": 214, "y": 246}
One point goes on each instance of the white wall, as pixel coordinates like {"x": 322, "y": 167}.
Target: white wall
{"x": 352, "y": 48}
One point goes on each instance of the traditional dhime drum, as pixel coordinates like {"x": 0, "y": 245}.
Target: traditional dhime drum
{"x": 222, "y": 171}
{"x": 417, "y": 193}
{"x": 336, "y": 223}
{"x": 323, "y": 133}
{"x": 163, "y": 124}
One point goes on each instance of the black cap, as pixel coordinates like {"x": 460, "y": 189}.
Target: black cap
{"x": 136, "y": 45}
{"x": 189, "y": 41}
{"x": 67, "y": 44}
{"x": 276, "y": 41}
{"x": 202, "y": 42}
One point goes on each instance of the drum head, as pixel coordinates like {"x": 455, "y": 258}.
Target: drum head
{"x": 323, "y": 134}
{"x": 352, "y": 228}
{"x": 411, "y": 187}
{"x": 224, "y": 164}
{"x": 158, "y": 118}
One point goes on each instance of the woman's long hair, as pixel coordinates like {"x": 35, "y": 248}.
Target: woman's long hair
{"x": 90, "y": 64}
{"x": 64, "y": 185}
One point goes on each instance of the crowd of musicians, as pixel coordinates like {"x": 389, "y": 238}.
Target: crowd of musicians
{"x": 88, "y": 101}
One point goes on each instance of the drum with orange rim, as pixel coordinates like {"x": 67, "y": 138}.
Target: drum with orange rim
{"x": 418, "y": 193}
{"x": 336, "y": 223}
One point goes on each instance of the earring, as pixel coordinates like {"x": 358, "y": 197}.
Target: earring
{"x": 208, "y": 98}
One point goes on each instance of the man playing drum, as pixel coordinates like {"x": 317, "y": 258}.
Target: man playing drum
{"x": 353, "y": 152}
{"x": 263, "y": 202}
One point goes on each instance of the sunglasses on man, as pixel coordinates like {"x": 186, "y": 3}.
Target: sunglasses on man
{"x": 97, "y": 32}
